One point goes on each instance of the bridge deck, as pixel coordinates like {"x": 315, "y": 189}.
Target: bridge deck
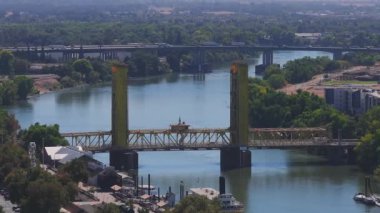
{"x": 195, "y": 139}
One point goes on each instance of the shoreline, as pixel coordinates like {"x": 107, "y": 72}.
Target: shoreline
{"x": 317, "y": 84}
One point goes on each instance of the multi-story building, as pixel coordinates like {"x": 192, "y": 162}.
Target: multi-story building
{"x": 353, "y": 101}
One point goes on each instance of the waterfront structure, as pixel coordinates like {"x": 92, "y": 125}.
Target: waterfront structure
{"x": 352, "y": 100}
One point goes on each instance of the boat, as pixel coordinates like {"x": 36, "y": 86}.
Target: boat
{"x": 367, "y": 198}
{"x": 359, "y": 197}
{"x": 229, "y": 203}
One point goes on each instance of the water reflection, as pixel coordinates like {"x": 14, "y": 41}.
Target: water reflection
{"x": 238, "y": 183}
{"x": 79, "y": 96}
{"x": 199, "y": 78}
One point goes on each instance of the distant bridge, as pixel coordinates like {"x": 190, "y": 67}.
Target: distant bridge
{"x": 134, "y": 47}
{"x": 120, "y": 52}
{"x": 197, "y": 139}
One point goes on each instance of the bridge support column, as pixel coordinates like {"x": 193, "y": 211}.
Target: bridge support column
{"x": 120, "y": 156}
{"x": 268, "y": 57}
{"x": 236, "y": 156}
{"x": 199, "y": 63}
{"x": 267, "y": 60}
{"x": 81, "y": 53}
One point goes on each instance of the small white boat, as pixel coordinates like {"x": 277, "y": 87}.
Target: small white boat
{"x": 369, "y": 200}
{"x": 359, "y": 197}
{"x": 368, "y": 197}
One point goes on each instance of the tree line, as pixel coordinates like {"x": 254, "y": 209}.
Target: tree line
{"x": 271, "y": 108}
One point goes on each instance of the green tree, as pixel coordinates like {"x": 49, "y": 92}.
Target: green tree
{"x": 368, "y": 151}
{"x": 8, "y": 93}
{"x": 24, "y": 86}
{"x": 8, "y": 127}
{"x": 143, "y": 64}
{"x": 76, "y": 170}
{"x": 12, "y": 157}
{"x": 1, "y": 210}
{"x": 369, "y": 122}
{"x": 93, "y": 77}
{"x": 377, "y": 174}
{"x": 83, "y": 66}
{"x": 197, "y": 204}
{"x": 47, "y": 134}
{"x": 44, "y": 196}
{"x": 16, "y": 182}
{"x": 276, "y": 81}
{"x": 6, "y": 62}
{"x": 271, "y": 70}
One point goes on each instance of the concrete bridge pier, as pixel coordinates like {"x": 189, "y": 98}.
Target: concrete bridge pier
{"x": 236, "y": 155}
{"x": 234, "y": 158}
{"x": 199, "y": 62}
{"x": 81, "y": 53}
{"x": 124, "y": 159}
{"x": 267, "y": 60}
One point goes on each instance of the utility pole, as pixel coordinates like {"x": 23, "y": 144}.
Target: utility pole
{"x": 43, "y": 151}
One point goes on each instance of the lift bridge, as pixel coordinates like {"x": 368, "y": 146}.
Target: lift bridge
{"x": 233, "y": 142}
{"x": 198, "y": 139}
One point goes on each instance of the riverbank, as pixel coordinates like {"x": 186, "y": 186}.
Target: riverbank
{"x": 345, "y": 77}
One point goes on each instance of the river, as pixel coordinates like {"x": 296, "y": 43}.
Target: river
{"x": 278, "y": 181}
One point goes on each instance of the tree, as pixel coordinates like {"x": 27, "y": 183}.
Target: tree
{"x": 8, "y": 93}
{"x": 47, "y": 134}
{"x": 271, "y": 70}
{"x": 16, "y": 182}
{"x": 377, "y": 174}
{"x": 369, "y": 122}
{"x": 143, "y": 64}
{"x": 276, "y": 81}
{"x": 24, "y": 86}
{"x": 6, "y": 62}
{"x": 93, "y": 77}
{"x": 44, "y": 196}
{"x": 1, "y": 209}
{"x": 83, "y": 66}
{"x": 12, "y": 157}
{"x": 8, "y": 126}
{"x": 197, "y": 204}
{"x": 368, "y": 151}
{"x": 76, "y": 170}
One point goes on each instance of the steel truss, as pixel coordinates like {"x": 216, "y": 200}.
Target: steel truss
{"x": 166, "y": 139}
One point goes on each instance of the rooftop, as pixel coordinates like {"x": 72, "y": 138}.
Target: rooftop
{"x": 65, "y": 154}
{"x": 210, "y": 193}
